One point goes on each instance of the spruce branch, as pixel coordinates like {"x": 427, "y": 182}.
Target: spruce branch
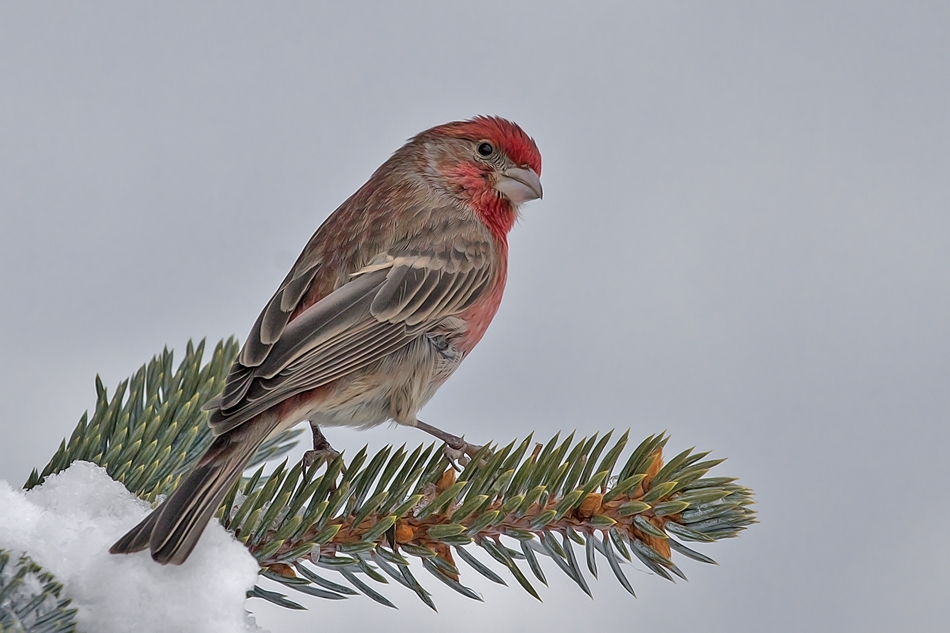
{"x": 393, "y": 507}
{"x": 366, "y": 518}
{"x": 31, "y": 599}
{"x": 152, "y": 430}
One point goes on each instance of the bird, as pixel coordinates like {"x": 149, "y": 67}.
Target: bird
{"x": 391, "y": 293}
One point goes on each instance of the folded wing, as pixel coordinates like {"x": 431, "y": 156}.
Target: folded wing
{"x": 381, "y": 309}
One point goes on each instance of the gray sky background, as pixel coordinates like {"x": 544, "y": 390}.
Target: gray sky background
{"x": 745, "y": 239}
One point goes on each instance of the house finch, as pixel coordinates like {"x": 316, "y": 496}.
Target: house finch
{"x": 391, "y": 293}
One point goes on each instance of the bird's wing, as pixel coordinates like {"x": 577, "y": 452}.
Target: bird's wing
{"x": 276, "y": 314}
{"x": 378, "y": 311}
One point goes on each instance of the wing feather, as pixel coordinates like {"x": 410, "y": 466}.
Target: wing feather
{"x": 379, "y": 310}
{"x": 276, "y": 314}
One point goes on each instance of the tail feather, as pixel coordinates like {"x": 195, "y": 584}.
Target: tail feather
{"x": 172, "y": 530}
{"x": 137, "y": 538}
{"x": 182, "y": 522}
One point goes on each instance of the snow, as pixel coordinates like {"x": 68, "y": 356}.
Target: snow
{"x": 68, "y": 524}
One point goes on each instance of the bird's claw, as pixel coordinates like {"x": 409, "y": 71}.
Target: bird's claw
{"x": 322, "y": 452}
{"x": 319, "y": 456}
{"x": 461, "y": 453}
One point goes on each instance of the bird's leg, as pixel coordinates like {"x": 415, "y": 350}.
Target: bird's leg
{"x": 322, "y": 451}
{"x": 456, "y": 448}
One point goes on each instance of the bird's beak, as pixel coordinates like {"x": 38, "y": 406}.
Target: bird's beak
{"x": 519, "y": 184}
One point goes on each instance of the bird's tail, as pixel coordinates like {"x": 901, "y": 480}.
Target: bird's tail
{"x": 172, "y": 530}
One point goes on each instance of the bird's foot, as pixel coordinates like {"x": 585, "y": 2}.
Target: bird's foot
{"x": 457, "y": 450}
{"x": 322, "y": 452}
{"x": 460, "y": 453}
{"x": 312, "y": 457}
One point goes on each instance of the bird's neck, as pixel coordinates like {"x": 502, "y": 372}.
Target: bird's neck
{"x": 496, "y": 211}
{"x": 498, "y": 214}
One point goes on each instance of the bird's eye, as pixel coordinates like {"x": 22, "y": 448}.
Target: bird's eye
{"x": 485, "y": 149}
